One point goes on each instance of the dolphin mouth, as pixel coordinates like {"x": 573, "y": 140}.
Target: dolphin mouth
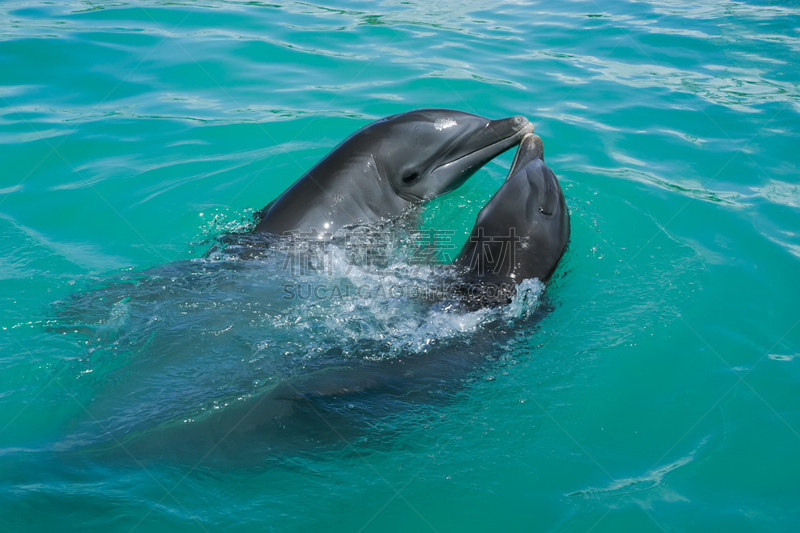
{"x": 483, "y": 155}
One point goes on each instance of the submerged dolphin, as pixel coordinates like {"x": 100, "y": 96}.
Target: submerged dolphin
{"x": 389, "y": 165}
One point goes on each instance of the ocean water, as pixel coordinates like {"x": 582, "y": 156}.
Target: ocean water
{"x": 652, "y": 386}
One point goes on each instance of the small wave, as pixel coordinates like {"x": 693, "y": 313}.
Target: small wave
{"x": 689, "y": 188}
{"x": 645, "y": 489}
{"x": 713, "y": 10}
{"x": 739, "y": 89}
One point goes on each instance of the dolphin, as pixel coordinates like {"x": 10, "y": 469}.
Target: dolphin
{"x": 523, "y": 231}
{"x": 389, "y": 165}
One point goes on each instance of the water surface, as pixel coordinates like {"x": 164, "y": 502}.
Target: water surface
{"x": 652, "y": 387}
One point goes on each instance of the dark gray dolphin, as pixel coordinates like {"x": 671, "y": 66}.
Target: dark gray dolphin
{"x": 390, "y": 164}
{"x": 522, "y": 232}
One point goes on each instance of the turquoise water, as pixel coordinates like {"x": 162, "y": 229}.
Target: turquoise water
{"x": 652, "y": 387}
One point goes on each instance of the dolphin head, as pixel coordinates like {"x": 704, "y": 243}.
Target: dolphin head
{"x": 523, "y": 230}
{"x": 429, "y": 152}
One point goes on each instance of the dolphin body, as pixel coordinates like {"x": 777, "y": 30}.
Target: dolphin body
{"x": 521, "y": 233}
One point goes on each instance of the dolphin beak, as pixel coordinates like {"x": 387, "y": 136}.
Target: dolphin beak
{"x": 510, "y": 131}
{"x": 530, "y": 148}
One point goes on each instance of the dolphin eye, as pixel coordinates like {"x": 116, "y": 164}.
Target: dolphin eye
{"x": 410, "y": 178}
{"x": 545, "y": 213}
